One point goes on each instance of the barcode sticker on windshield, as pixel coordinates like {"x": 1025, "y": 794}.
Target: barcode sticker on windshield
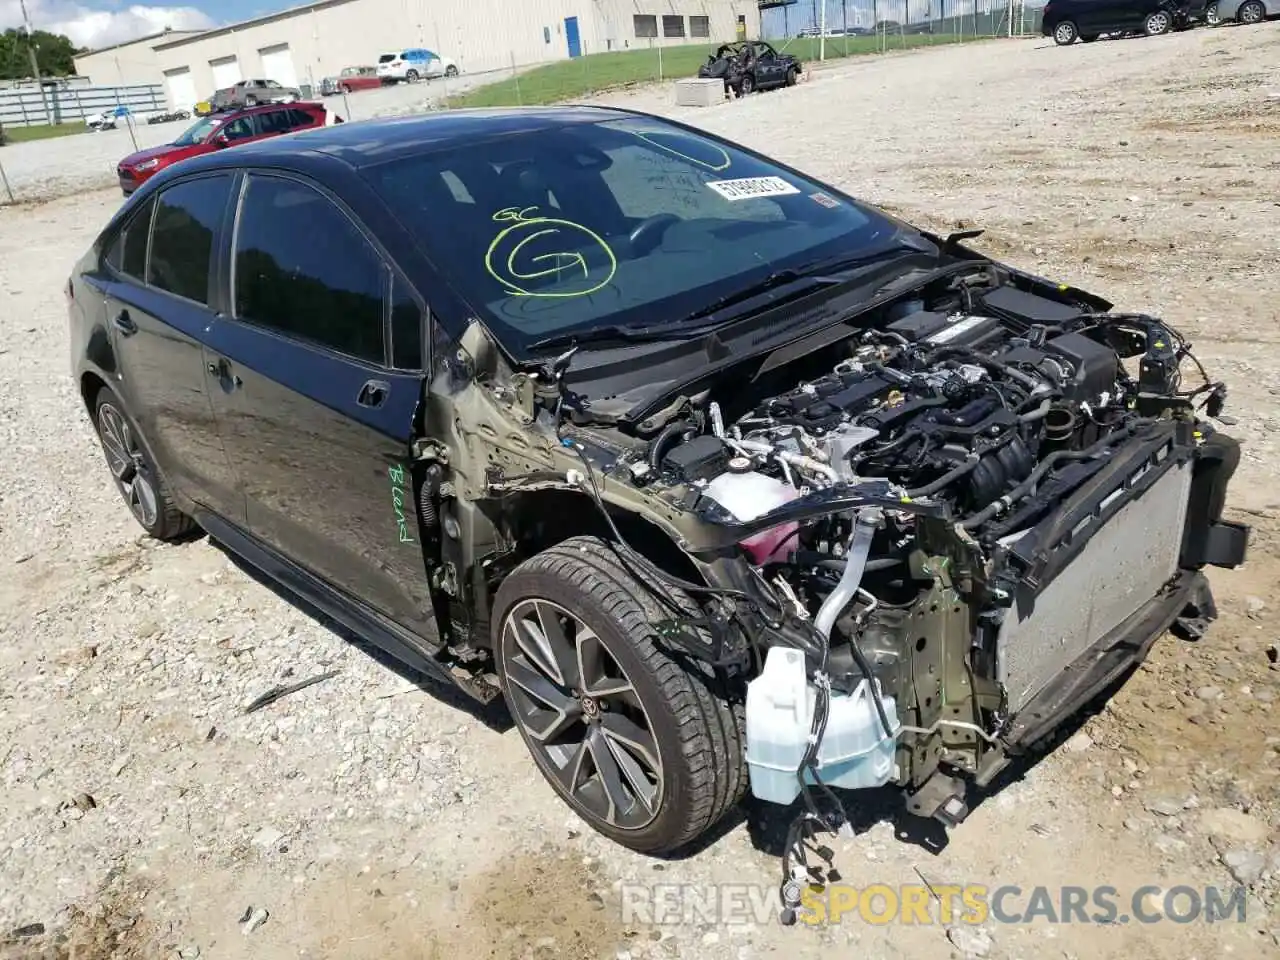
{"x": 748, "y": 188}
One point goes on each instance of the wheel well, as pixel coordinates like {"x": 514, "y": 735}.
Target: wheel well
{"x": 540, "y": 519}
{"x": 90, "y": 386}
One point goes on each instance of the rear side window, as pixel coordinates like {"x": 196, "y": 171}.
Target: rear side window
{"x": 188, "y": 216}
{"x": 406, "y": 327}
{"x": 274, "y": 121}
{"x": 128, "y": 254}
{"x": 300, "y": 118}
{"x": 325, "y": 284}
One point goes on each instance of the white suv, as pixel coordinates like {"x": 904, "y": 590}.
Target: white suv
{"x": 413, "y": 64}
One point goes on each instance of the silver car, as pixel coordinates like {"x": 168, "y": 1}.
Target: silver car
{"x": 1242, "y": 11}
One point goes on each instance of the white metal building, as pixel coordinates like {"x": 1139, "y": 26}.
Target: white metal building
{"x": 129, "y": 63}
{"x": 302, "y": 45}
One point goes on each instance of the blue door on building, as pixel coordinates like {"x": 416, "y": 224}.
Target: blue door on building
{"x": 571, "y": 36}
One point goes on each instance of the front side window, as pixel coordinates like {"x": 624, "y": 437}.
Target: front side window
{"x": 128, "y": 253}
{"x": 325, "y": 284}
{"x": 187, "y": 218}
{"x": 241, "y": 128}
{"x": 198, "y": 132}
{"x": 628, "y": 221}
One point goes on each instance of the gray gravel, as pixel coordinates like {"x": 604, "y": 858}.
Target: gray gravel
{"x": 143, "y": 813}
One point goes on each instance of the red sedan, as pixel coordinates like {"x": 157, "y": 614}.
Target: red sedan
{"x": 350, "y": 80}
{"x": 217, "y": 132}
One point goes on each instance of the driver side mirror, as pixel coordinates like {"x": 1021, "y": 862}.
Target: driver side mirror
{"x": 220, "y": 139}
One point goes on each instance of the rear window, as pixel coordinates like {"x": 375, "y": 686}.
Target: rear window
{"x": 387, "y": 57}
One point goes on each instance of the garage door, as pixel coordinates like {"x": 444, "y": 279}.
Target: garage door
{"x": 277, "y": 65}
{"x": 226, "y": 72}
{"x": 182, "y": 88}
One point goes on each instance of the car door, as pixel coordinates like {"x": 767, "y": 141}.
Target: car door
{"x": 161, "y": 302}
{"x": 768, "y": 72}
{"x": 315, "y": 418}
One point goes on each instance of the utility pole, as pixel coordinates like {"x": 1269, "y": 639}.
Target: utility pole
{"x": 35, "y": 62}
{"x": 822, "y": 32}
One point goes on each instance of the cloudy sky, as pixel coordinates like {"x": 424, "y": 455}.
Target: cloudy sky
{"x": 97, "y": 23}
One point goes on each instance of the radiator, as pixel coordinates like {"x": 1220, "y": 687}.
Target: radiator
{"x": 1123, "y": 565}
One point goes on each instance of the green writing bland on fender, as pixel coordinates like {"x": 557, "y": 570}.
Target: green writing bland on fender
{"x": 399, "y": 496}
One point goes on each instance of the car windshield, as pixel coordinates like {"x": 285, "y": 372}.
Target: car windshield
{"x": 198, "y": 132}
{"x": 621, "y": 222}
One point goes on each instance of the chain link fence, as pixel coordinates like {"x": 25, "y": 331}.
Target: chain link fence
{"x": 900, "y": 25}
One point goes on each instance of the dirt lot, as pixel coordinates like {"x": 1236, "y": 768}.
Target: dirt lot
{"x": 371, "y": 818}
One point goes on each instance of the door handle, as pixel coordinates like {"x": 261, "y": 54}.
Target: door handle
{"x": 222, "y": 370}
{"x": 124, "y": 323}
{"x": 373, "y": 393}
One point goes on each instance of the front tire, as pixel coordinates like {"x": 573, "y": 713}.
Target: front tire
{"x": 1211, "y": 15}
{"x": 250, "y": 101}
{"x": 1157, "y": 23}
{"x": 451, "y": 71}
{"x": 412, "y": 76}
{"x": 638, "y": 744}
{"x": 791, "y": 77}
{"x": 1065, "y": 33}
{"x": 1251, "y": 12}
{"x": 139, "y": 481}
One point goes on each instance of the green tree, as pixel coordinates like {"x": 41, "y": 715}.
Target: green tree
{"x": 54, "y": 53}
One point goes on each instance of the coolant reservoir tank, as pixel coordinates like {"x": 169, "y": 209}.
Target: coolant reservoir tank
{"x": 856, "y": 751}
{"x": 750, "y": 495}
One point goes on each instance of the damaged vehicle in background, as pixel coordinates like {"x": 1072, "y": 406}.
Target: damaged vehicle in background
{"x": 750, "y": 65}
{"x": 723, "y": 478}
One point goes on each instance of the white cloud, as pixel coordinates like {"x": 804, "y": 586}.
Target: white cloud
{"x": 92, "y": 28}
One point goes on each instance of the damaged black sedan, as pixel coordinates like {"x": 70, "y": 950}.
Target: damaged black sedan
{"x": 724, "y": 479}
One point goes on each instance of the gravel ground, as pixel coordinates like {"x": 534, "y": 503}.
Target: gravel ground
{"x": 45, "y": 169}
{"x": 143, "y": 812}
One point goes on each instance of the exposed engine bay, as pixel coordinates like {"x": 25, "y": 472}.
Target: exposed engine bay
{"x": 949, "y": 440}
{"x": 928, "y": 540}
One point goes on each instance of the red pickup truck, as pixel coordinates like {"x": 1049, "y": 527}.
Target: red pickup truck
{"x": 219, "y": 131}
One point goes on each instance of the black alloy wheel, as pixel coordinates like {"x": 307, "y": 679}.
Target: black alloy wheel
{"x": 637, "y": 743}
{"x": 140, "y": 484}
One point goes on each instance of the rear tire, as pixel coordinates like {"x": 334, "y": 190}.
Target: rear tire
{"x": 1211, "y": 15}
{"x": 791, "y": 77}
{"x": 746, "y": 86}
{"x": 250, "y": 101}
{"x": 412, "y": 76}
{"x": 578, "y": 599}
{"x": 143, "y": 487}
{"x": 1157, "y": 23}
{"x": 1065, "y": 33}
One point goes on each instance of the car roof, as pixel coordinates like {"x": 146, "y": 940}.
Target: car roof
{"x": 264, "y": 108}
{"x": 367, "y": 142}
